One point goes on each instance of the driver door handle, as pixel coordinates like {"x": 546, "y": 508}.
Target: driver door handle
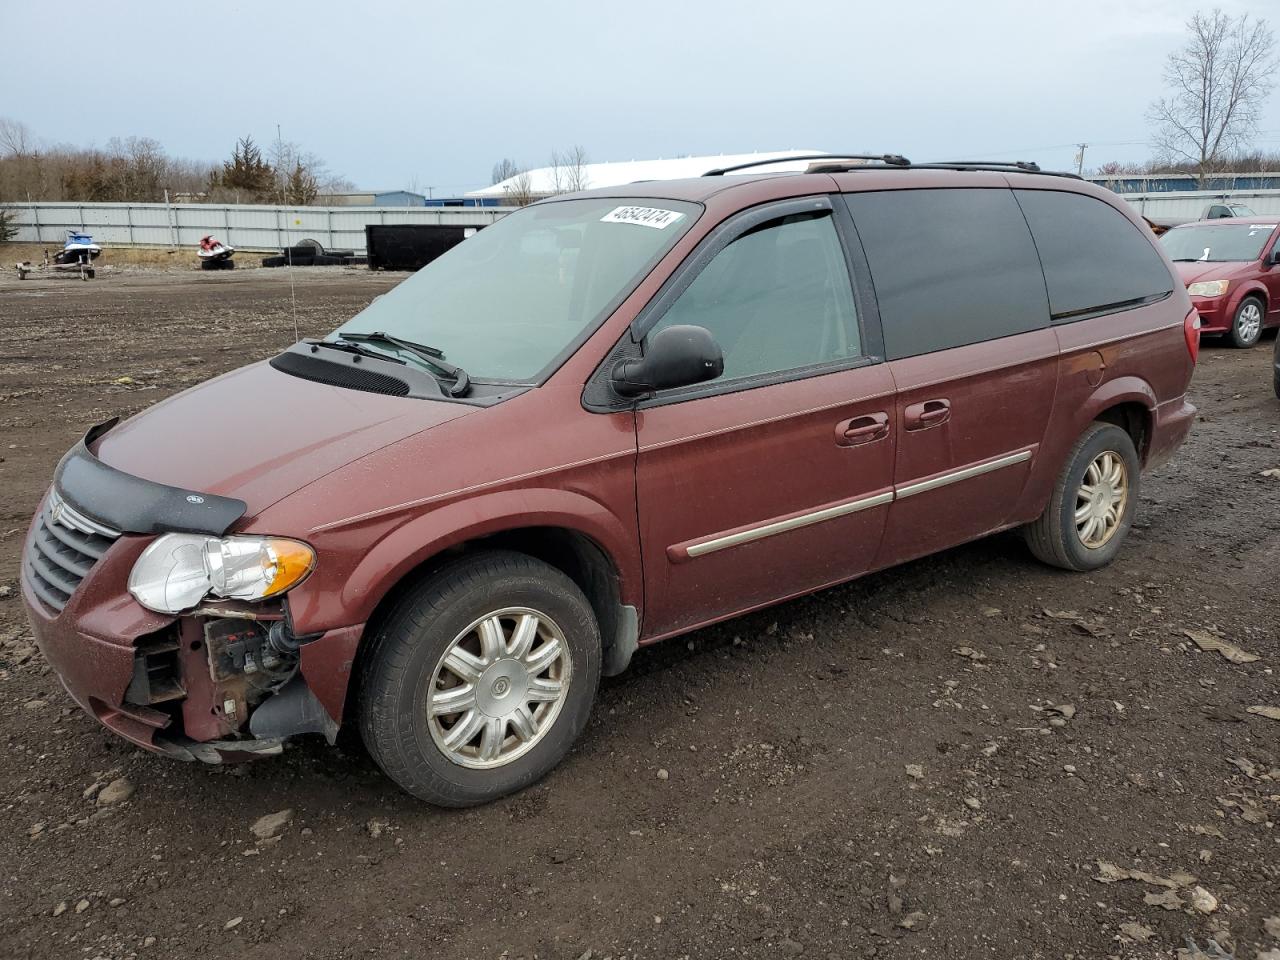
{"x": 864, "y": 429}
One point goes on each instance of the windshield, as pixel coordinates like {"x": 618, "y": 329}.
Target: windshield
{"x": 1217, "y": 243}
{"x": 506, "y": 302}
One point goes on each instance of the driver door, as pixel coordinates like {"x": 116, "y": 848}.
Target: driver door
{"x": 775, "y": 478}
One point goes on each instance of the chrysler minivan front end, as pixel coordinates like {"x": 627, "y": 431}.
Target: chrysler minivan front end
{"x": 200, "y": 575}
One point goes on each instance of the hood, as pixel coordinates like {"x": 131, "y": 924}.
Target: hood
{"x": 1227, "y": 270}
{"x": 258, "y": 434}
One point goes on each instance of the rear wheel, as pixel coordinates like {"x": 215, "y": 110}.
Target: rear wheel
{"x": 1093, "y": 502}
{"x": 1246, "y": 328}
{"x": 480, "y": 681}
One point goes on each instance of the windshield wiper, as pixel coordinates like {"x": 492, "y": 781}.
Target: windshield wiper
{"x": 433, "y": 356}
{"x": 351, "y": 348}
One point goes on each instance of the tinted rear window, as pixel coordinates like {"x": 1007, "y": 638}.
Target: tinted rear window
{"x": 1095, "y": 259}
{"x": 950, "y": 267}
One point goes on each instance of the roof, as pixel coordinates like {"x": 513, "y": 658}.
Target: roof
{"x": 542, "y": 181}
{"x": 764, "y": 183}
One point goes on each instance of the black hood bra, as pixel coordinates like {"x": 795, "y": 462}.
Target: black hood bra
{"x": 133, "y": 505}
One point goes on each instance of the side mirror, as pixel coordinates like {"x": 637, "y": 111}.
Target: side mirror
{"x": 677, "y": 356}
{"x": 1275, "y": 254}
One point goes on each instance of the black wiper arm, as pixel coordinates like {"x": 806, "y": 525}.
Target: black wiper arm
{"x": 350, "y": 348}
{"x": 431, "y": 355}
{"x": 377, "y": 335}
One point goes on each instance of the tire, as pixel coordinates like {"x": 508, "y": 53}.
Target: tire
{"x": 1054, "y": 537}
{"x": 273, "y": 261}
{"x": 1275, "y": 375}
{"x": 1251, "y": 314}
{"x": 405, "y": 665}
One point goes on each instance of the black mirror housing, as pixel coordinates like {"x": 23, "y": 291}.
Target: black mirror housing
{"x": 677, "y": 356}
{"x": 1275, "y": 254}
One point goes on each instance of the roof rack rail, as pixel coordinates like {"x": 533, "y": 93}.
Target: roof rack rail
{"x": 888, "y": 159}
{"x": 1029, "y": 166}
{"x": 999, "y": 166}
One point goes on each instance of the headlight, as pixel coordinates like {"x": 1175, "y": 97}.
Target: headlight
{"x": 179, "y": 570}
{"x": 1208, "y": 288}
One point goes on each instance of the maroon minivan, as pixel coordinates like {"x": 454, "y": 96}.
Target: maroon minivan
{"x": 610, "y": 418}
{"x": 1232, "y": 270}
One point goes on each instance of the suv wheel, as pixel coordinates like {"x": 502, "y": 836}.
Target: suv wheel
{"x": 480, "y": 680}
{"x": 1246, "y": 329}
{"x": 1093, "y": 502}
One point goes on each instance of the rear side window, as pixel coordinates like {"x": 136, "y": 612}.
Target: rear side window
{"x": 950, "y": 267}
{"x": 1095, "y": 259}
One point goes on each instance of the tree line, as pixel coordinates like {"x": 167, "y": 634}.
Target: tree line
{"x": 140, "y": 170}
{"x": 568, "y": 173}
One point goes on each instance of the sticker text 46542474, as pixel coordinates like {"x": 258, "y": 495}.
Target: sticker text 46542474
{"x": 643, "y": 216}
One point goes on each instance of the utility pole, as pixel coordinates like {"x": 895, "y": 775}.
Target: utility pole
{"x": 279, "y": 164}
{"x": 1080, "y": 158}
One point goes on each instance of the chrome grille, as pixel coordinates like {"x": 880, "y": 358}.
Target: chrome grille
{"x": 65, "y": 546}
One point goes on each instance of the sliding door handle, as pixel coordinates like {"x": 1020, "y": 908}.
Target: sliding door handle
{"x": 922, "y": 416}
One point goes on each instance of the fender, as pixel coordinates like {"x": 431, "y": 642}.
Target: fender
{"x": 1251, "y": 287}
{"x": 1113, "y": 392}
{"x": 427, "y": 534}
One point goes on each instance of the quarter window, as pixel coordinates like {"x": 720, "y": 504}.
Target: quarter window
{"x": 950, "y": 267}
{"x": 777, "y": 298}
{"x": 1095, "y": 259}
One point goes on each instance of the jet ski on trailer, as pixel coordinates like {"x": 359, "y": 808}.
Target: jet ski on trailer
{"x": 79, "y": 248}
{"x": 75, "y": 257}
{"x": 215, "y": 255}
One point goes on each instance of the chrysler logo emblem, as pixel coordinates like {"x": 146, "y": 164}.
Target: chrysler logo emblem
{"x": 55, "y": 514}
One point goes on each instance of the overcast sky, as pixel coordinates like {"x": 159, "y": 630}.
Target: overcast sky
{"x": 429, "y": 95}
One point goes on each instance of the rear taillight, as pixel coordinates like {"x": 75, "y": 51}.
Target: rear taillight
{"x": 1191, "y": 330}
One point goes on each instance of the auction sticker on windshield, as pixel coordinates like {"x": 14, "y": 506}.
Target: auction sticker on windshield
{"x": 644, "y": 216}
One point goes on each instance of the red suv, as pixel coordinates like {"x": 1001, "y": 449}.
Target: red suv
{"x": 611, "y": 418}
{"x": 1232, "y": 271}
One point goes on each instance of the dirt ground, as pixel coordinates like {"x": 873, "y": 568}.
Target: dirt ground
{"x": 929, "y": 762}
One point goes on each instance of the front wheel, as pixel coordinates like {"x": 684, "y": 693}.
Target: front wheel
{"x": 480, "y": 680}
{"x": 1275, "y": 371}
{"x": 1093, "y": 502}
{"x": 1246, "y": 328}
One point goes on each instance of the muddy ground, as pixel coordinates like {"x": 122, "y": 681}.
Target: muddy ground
{"x": 929, "y": 762}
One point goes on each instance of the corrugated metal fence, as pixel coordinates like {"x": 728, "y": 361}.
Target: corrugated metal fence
{"x": 1190, "y": 204}
{"x": 339, "y": 228}
{"x": 242, "y": 226}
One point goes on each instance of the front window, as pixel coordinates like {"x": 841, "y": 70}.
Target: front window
{"x": 777, "y": 298}
{"x": 507, "y": 302}
{"x": 1219, "y": 243}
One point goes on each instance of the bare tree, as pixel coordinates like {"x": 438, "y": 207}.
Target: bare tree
{"x": 504, "y": 169}
{"x": 300, "y": 177}
{"x": 569, "y": 170}
{"x": 520, "y": 189}
{"x": 16, "y": 139}
{"x": 1219, "y": 80}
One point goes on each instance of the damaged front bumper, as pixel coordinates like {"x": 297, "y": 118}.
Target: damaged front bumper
{"x": 181, "y": 687}
{"x": 227, "y": 682}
